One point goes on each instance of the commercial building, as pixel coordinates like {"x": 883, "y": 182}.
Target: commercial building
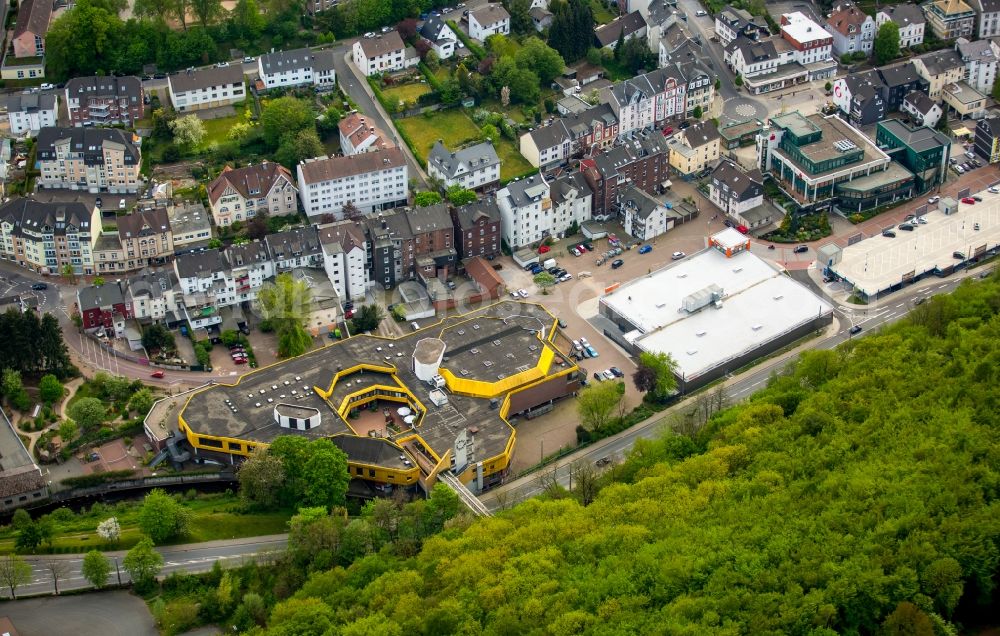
{"x": 46, "y": 237}
{"x": 714, "y": 311}
{"x": 100, "y": 100}
{"x": 852, "y": 29}
{"x": 367, "y": 181}
{"x": 910, "y": 20}
{"x": 359, "y": 134}
{"x": 206, "y": 88}
{"x": 382, "y": 400}
{"x": 695, "y": 149}
{"x": 91, "y": 159}
{"x": 861, "y": 96}
{"x": 824, "y": 161}
{"x": 532, "y": 209}
{"x": 21, "y": 480}
{"x": 380, "y": 54}
{"x": 475, "y": 167}
{"x": 30, "y": 113}
{"x": 921, "y": 150}
{"x": 987, "y": 140}
{"x": 964, "y": 100}
{"x": 950, "y": 19}
{"x": 487, "y": 20}
{"x": 477, "y": 229}
{"x": 298, "y": 67}
{"x": 237, "y": 195}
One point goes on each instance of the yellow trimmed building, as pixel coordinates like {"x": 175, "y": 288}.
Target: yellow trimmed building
{"x": 439, "y": 399}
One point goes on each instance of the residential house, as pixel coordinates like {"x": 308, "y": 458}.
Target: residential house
{"x": 592, "y": 129}
{"x": 861, "y": 96}
{"x": 206, "y": 286}
{"x": 381, "y": 54}
{"x": 210, "y": 87}
{"x": 739, "y": 194}
{"x": 298, "y": 67}
{"x": 700, "y": 90}
{"x": 237, "y": 195}
{"x": 155, "y": 296}
{"x": 104, "y": 100}
{"x": 487, "y": 20}
{"x": 92, "y": 159}
{"x": 434, "y": 252}
{"x": 964, "y": 100}
{"x": 547, "y": 146}
{"x": 29, "y": 31}
{"x": 478, "y": 229}
{"x": 910, "y": 20}
{"x": 48, "y": 237}
{"x": 368, "y": 181}
{"x": 529, "y": 215}
{"x": 345, "y": 257}
{"x": 950, "y": 19}
{"x": 939, "y": 68}
{"x": 695, "y": 149}
{"x": 250, "y": 265}
{"x": 923, "y": 110}
{"x": 731, "y": 23}
{"x": 359, "y": 134}
{"x": 104, "y": 308}
{"x": 144, "y": 238}
{"x": 294, "y": 248}
{"x": 649, "y": 100}
{"x": 645, "y": 217}
{"x": 987, "y": 17}
{"x": 801, "y": 53}
{"x": 318, "y": 6}
{"x": 475, "y": 167}
{"x": 987, "y": 139}
{"x": 442, "y": 39}
{"x": 190, "y": 223}
{"x": 852, "y": 29}
{"x": 642, "y": 161}
{"x": 391, "y": 253}
{"x": 625, "y": 27}
{"x": 749, "y": 58}
{"x": 541, "y": 18}
{"x": 980, "y": 63}
{"x": 899, "y": 81}
{"x": 30, "y": 113}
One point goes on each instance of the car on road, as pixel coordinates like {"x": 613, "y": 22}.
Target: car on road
{"x": 615, "y": 264}
{"x": 934, "y": 199}
{"x": 562, "y": 323}
{"x": 799, "y": 249}
{"x": 40, "y": 286}
{"x": 604, "y": 461}
{"x": 676, "y": 256}
{"x": 700, "y": 13}
{"x": 523, "y": 293}
{"x": 159, "y": 76}
{"x": 591, "y": 352}
{"x": 121, "y": 204}
{"x": 157, "y": 374}
{"x": 645, "y": 249}
{"x": 968, "y": 200}
{"x": 855, "y": 329}
{"x": 919, "y": 301}
{"x": 618, "y": 373}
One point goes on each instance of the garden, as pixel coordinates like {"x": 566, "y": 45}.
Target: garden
{"x": 799, "y": 228}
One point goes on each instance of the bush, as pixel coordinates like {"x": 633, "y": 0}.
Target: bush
{"x": 96, "y": 479}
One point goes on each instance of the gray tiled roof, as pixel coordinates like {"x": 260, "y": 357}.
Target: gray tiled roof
{"x": 200, "y": 264}
{"x": 89, "y": 141}
{"x": 473, "y": 158}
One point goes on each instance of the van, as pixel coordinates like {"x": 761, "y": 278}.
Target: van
{"x": 414, "y": 325}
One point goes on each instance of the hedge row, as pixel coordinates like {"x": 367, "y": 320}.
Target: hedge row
{"x": 96, "y": 479}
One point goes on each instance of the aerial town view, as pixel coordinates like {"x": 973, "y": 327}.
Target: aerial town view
{"x": 499, "y": 317}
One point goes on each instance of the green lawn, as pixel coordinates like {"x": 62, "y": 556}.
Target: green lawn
{"x": 406, "y": 92}
{"x": 602, "y": 15}
{"x": 217, "y": 130}
{"x": 452, "y": 126}
{"x": 512, "y": 163}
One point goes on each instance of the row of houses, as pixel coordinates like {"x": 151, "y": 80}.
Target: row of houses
{"x": 89, "y": 101}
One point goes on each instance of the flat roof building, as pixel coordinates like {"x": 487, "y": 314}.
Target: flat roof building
{"x": 714, "y": 311}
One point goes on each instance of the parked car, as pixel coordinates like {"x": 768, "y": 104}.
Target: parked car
{"x": 615, "y": 264}
{"x": 959, "y": 255}
{"x": 608, "y": 375}
{"x": 977, "y": 198}
{"x": 907, "y": 227}
{"x": 249, "y": 58}
{"x": 562, "y": 323}
{"x": 591, "y": 352}
{"x": 617, "y": 372}
{"x": 46, "y": 86}
{"x": 566, "y": 277}
{"x": 157, "y": 374}
{"x": 699, "y": 13}
{"x": 799, "y": 249}
{"x": 121, "y": 204}
{"x": 598, "y": 376}
{"x": 993, "y": 190}
{"x": 888, "y": 234}
{"x": 523, "y": 293}
{"x": 968, "y": 200}
{"x": 645, "y": 249}
{"x": 239, "y": 360}
{"x": 40, "y": 286}
{"x": 515, "y": 295}
{"x": 676, "y": 256}
{"x": 98, "y": 201}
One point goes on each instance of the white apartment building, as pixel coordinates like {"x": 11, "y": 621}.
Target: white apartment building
{"x": 987, "y": 17}
{"x": 643, "y": 217}
{"x": 206, "y": 88}
{"x": 476, "y": 167}
{"x": 812, "y": 42}
{"x": 345, "y": 257}
{"x": 852, "y": 29}
{"x": 980, "y": 64}
{"x": 206, "y": 286}
{"x": 648, "y": 100}
{"x": 532, "y": 209}
{"x": 30, "y": 113}
{"x": 369, "y": 181}
{"x": 547, "y": 145}
{"x": 155, "y": 297}
{"x": 382, "y": 53}
{"x": 910, "y": 20}
{"x": 298, "y": 67}
{"x": 441, "y": 37}
{"x": 490, "y": 19}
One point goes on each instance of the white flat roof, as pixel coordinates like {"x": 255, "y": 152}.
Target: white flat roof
{"x": 759, "y": 304}
{"x": 803, "y": 29}
{"x": 730, "y": 238}
{"x": 877, "y": 263}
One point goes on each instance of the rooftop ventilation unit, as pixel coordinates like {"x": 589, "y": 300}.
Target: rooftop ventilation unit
{"x": 700, "y": 333}
{"x": 691, "y": 352}
{"x": 474, "y": 326}
{"x": 487, "y": 363}
{"x": 757, "y": 327}
{"x": 779, "y": 296}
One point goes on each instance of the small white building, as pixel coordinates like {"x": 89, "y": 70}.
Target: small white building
{"x": 923, "y": 110}
{"x": 369, "y": 181}
{"x": 547, "y": 145}
{"x": 380, "y": 54}
{"x": 206, "y": 88}
{"x": 30, "y": 113}
{"x": 644, "y": 217}
{"x": 532, "y": 209}
{"x": 359, "y": 134}
{"x": 443, "y": 40}
{"x": 910, "y": 20}
{"x": 298, "y": 67}
{"x": 739, "y": 194}
{"x": 490, "y": 19}
{"x": 475, "y": 167}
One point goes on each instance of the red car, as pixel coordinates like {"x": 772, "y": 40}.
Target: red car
{"x": 969, "y": 200}
{"x": 543, "y": 249}
{"x": 157, "y": 374}
{"x": 240, "y": 360}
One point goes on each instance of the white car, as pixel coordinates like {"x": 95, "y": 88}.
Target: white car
{"x": 934, "y": 199}
{"x": 523, "y": 293}
{"x": 515, "y": 295}
{"x": 676, "y": 256}
{"x": 584, "y": 343}
{"x": 565, "y": 277}
{"x": 370, "y": 34}
{"x": 993, "y": 190}
{"x": 921, "y": 220}
{"x": 959, "y": 169}
{"x": 47, "y": 87}
{"x": 699, "y": 14}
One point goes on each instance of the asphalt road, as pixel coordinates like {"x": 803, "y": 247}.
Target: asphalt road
{"x": 193, "y": 557}
{"x": 117, "y": 613}
{"x": 738, "y": 388}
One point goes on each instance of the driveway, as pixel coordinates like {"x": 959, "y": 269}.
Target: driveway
{"x": 101, "y": 614}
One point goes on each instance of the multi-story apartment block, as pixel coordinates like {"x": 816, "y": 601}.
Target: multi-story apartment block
{"x": 910, "y": 20}
{"x": 861, "y": 96}
{"x": 104, "y": 100}
{"x": 405, "y": 243}
{"x": 987, "y": 140}
{"x": 295, "y": 248}
{"x": 643, "y": 216}
{"x": 852, "y": 29}
{"x": 155, "y": 296}
{"x": 980, "y": 63}
{"x": 433, "y": 242}
{"x": 206, "y": 286}
{"x": 91, "y": 159}
{"x": 643, "y": 161}
{"x": 478, "y": 229}
{"x": 239, "y": 194}
{"x": 938, "y": 69}
{"x": 731, "y": 23}
{"x": 487, "y": 20}
{"x": 250, "y": 265}
{"x": 30, "y": 113}
{"x": 368, "y": 181}
{"x": 476, "y": 167}
{"x": 987, "y": 17}
{"x": 46, "y": 237}
{"x": 345, "y": 258}
{"x": 298, "y": 67}
{"x": 739, "y": 194}
{"x": 144, "y": 239}
{"x": 380, "y": 54}
{"x": 206, "y": 88}
{"x": 359, "y": 134}
{"x": 32, "y": 24}
{"x": 900, "y": 80}
{"x": 696, "y": 148}
{"x": 529, "y": 214}
{"x": 950, "y": 19}
{"x": 190, "y": 223}
{"x": 648, "y": 100}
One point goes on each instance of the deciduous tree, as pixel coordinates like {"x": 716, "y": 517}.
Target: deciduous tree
{"x": 161, "y": 518}
{"x": 88, "y": 412}
{"x": 95, "y": 568}
{"x": 597, "y": 404}
{"x": 50, "y": 389}
{"x": 189, "y": 131}
{"x": 262, "y": 477}
{"x": 886, "y": 46}
{"x": 143, "y": 563}
{"x": 14, "y": 572}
